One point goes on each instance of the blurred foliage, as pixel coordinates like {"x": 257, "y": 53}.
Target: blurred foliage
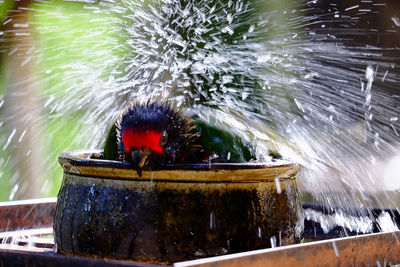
{"x": 64, "y": 32}
{"x": 5, "y": 171}
{"x": 67, "y": 32}
{"x": 5, "y": 5}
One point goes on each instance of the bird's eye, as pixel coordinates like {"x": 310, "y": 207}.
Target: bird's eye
{"x": 164, "y": 138}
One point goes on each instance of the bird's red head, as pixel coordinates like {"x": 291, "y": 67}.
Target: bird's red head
{"x": 152, "y": 135}
{"x": 137, "y": 138}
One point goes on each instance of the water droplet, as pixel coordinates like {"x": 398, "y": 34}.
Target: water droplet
{"x": 278, "y": 185}
{"x": 212, "y": 221}
{"x": 10, "y": 137}
{"x": 22, "y": 136}
{"x": 229, "y": 18}
{"x": 352, "y": 7}
{"x": 396, "y": 21}
{"x": 273, "y": 242}
{"x": 14, "y": 190}
{"x": 251, "y": 28}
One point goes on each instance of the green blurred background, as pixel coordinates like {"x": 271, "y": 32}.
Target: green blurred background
{"x": 40, "y": 45}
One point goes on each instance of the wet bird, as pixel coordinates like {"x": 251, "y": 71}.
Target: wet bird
{"x": 152, "y": 135}
{"x": 219, "y": 146}
{"x": 149, "y": 136}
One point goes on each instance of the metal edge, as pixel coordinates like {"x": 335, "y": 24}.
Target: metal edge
{"x": 29, "y": 202}
{"x": 372, "y": 249}
{"x": 31, "y": 213}
{"x": 29, "y": 258}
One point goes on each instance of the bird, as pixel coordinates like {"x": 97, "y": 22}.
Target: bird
{"x": 149, "y": 136}
{"x": 153, "y": 135}
{"x": 217, "y": 145}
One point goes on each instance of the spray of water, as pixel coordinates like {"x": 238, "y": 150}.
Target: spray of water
{"x": 316, "y": 80}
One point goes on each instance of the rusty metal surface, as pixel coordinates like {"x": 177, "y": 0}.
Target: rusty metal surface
{"x": 50, "y": 259}
{"x": 36, "y": 217}
{"x": 36, "y": 213}
{"x": 37, "y": 251}
{"x": 381, "y": 249}
{"x": 26, "y": 229}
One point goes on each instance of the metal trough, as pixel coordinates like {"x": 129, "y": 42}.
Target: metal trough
{"x": 26, "y": 240}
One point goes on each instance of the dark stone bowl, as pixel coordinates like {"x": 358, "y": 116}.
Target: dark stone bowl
{"x": 180, "y": 213}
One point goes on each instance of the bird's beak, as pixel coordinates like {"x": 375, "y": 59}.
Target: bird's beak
{"x": 140, "y": 159}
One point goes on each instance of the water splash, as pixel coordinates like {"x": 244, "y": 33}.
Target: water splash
{"x": 385, "y": 223}
{"x": 317, "y": 81}
{"x": 352, "y": 223}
